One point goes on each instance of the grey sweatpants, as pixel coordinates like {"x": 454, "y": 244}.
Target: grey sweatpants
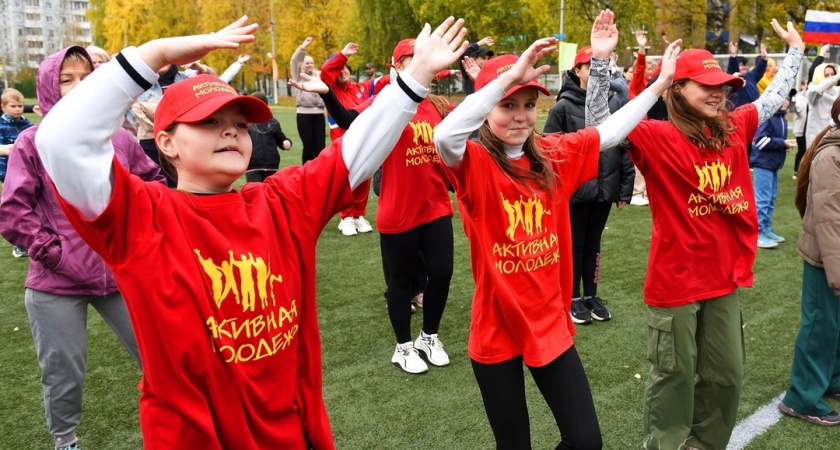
{"x": 59, "y": 330}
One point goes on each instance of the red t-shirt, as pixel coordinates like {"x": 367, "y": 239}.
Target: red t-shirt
{"x": 520, "y": 246}
{"x": 703, "y": 205}
{"x": 413, "y": 190}
{"x": 348, "y": 94}
{"x": 221, "y": 293}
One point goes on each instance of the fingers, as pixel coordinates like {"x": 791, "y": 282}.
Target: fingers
{"x": 236, "y": 24}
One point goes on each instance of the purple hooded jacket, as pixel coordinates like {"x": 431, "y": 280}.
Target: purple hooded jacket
{"x": 60, "y": 262}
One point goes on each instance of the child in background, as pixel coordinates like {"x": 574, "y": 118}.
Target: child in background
{"x": 220, "y": 283}
{"x": 815, "y": 372}
{"x": 12, "y": 122}
{"x": 767, "y": 157}
{"x": 65, "y": 275}
{"x": 513, "y": 189}
{"x": 266, "y": 138}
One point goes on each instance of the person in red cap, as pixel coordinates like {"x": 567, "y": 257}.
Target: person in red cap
{"x": 513, "y": 188}
{"x": 220, "y": 283}
{"x": 415, "y": 234}
{"x": 703, "y": 244}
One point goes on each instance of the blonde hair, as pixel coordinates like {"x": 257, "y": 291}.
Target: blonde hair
{"x": 11, "y": 94}
{"x": 99, "y": 51}
{"x": 77, "y": 56}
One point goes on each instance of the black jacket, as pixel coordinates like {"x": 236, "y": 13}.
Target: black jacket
{"x": 615, "y": 170}
{"x": 267, "y": 137}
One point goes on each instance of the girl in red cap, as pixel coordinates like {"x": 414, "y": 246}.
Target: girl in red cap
{"x": 220, "y": 283}
{"x": 513, "y": 188}
{"x": 703, "y": 244}
{"x": 415, "y": 236}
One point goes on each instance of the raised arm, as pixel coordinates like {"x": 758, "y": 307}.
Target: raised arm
{"x": 777, "y": 91}
{"x": 74, "y": 140}
{"x": 375, "y": 132}
{"x": 603, "y": 38}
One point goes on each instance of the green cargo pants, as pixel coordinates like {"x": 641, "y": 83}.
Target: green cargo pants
{"x": 697, "y": 360}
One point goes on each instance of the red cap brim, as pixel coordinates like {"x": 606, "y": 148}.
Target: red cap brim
{"x": 717, "y": 79}
{"x": 533, "y": 83}
{"x": 255, "y": 110}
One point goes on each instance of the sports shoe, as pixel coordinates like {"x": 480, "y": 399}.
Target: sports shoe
{"x": 73, "y": 446}
{"x": 432, "y": 349}
{"x": 597, "y": 309}
{"x": 407, "y": 359}
{"x": 580, "y": 313}
{"x": 417, "y": 301}
{"x": 828, "y": 420}
{"x": 19, "y": 252}
{"x": 639, "y": 200}
{"x": 794, "y": 176}
{"x": 765, "y": 242}
{"x": 362, "y": 225}
{"x": 770, "y": 234}
{"x": 347, "y": 227}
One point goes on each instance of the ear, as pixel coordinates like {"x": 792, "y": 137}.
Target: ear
{"x": 166, "y": 144}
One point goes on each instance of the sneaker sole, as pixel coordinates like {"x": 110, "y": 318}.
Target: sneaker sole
{"x": 581, "y": 322}
{"x": 786, "y": 410}
{"x": 428, "y": 360}
{"x": 396, "y": 363}
{"x": 601, "y": 319}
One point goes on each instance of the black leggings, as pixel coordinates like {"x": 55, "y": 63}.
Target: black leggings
{"x": 588, "y": 222}
{"x": 426, "y": 247}
{"x": 565, "y": 389}
{"x": 800, "y": 152}
{"x": 311, "y": 128}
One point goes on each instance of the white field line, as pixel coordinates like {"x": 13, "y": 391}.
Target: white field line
{"x": 756, "y": 424}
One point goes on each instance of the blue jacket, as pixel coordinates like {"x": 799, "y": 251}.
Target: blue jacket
{"x": 748, "y": 93}
{"x": 769, "y": 150}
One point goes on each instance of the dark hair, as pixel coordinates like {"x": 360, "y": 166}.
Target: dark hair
{"x": 803, "y": 176}
{"x": 743, "y": 60}
{"x": 684, "y": 118}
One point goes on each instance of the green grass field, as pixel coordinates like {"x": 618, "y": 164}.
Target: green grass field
{"x": 373, "y": 405}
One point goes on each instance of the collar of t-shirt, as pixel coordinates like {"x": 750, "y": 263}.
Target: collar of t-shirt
{"x": 514, "y": 151}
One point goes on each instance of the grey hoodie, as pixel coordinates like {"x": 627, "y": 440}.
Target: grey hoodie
{"x": 30, "y": 216}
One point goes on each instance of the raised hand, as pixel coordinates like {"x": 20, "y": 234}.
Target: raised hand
{"x": 437, "y": 50}
{"x": 186, "y": 49}
{"x": 762, "y": 50}
{"x": 310, "y": 84}
{"x": 524, "y": 71}
{"x": 243, "y": 59}
{"x": 471, "y": 67}
{"x": 641, "y": 39}
{"x": 350, "y": 49}
{"x": 604, "y": 35}
{"x": 824, "y": 50}
{"x": 306, "y": 42}
{"x": 789, "y": 35}
{"x": 668, "y": 68}
{"x": 733, "y": 48}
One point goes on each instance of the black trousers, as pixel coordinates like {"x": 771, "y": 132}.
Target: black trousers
{"x": 588, "y": 222}
{"x": 801, "y": 146}
{"x": 430, "y": 248}
{"x": 311, "y": 128}
{"x": 564, "y": 387}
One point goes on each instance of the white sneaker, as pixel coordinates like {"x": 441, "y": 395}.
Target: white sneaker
{"x": 433, "y": 349}
{"x": 346, "y": 227}
{"x": 362, "y": 225}
{"x": 639, "y": 200}
{"x": 407, "y": 358}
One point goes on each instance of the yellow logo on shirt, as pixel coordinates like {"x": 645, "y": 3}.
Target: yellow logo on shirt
{"x": 714, "y": 191}
{"x": 423, "y": 151}
{"x": 264, "y": 328}
{"x": 537, "y": 249}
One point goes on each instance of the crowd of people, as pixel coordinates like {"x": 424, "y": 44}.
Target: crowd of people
{"x": 99, "y": 209}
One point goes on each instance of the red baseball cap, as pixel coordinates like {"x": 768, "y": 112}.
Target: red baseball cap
{"x": 499, "y": 65}
{"x": 404, "y": 48}
{"x": 699, "y": 65}
{"x": 584, "y": 56}
{"x": 199, "y": 97}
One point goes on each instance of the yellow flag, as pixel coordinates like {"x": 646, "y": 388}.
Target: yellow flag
{"x": 566, "y": 55}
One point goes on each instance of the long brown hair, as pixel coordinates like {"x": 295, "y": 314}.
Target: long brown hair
{"x": 540, "y": 168}
{"x": 803, "y": 176}
{"x": 684, "y": 118}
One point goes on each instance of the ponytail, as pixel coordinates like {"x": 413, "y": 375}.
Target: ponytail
{"x": 803, "y": 176}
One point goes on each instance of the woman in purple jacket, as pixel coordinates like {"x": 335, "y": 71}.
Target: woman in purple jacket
{"x": 65, "y": 275}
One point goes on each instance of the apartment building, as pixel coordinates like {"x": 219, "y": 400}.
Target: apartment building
{"x": 32, "y": 29}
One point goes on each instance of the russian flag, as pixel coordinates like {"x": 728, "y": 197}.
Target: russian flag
{"x": 821, "y": 27}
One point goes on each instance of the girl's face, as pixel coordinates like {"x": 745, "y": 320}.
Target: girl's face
{"x": 829, "y": 71}
{"x": 211, "y": 154}
{"x": 703, "y": 98}
{"x": 512, "y": 119}
{"x": 403, "y": 63}
{"x": 308, "y": 64}
{"x": 97, "y": 60}
{"x": 72, "y": 73}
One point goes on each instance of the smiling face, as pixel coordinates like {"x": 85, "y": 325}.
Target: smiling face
{"x": 705, "y": 100}
{"x": 308, "y": 65}
{"x": 344, "y": 76}
{"x": 513, "y": 118}
{"x": 211, "y": 154}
